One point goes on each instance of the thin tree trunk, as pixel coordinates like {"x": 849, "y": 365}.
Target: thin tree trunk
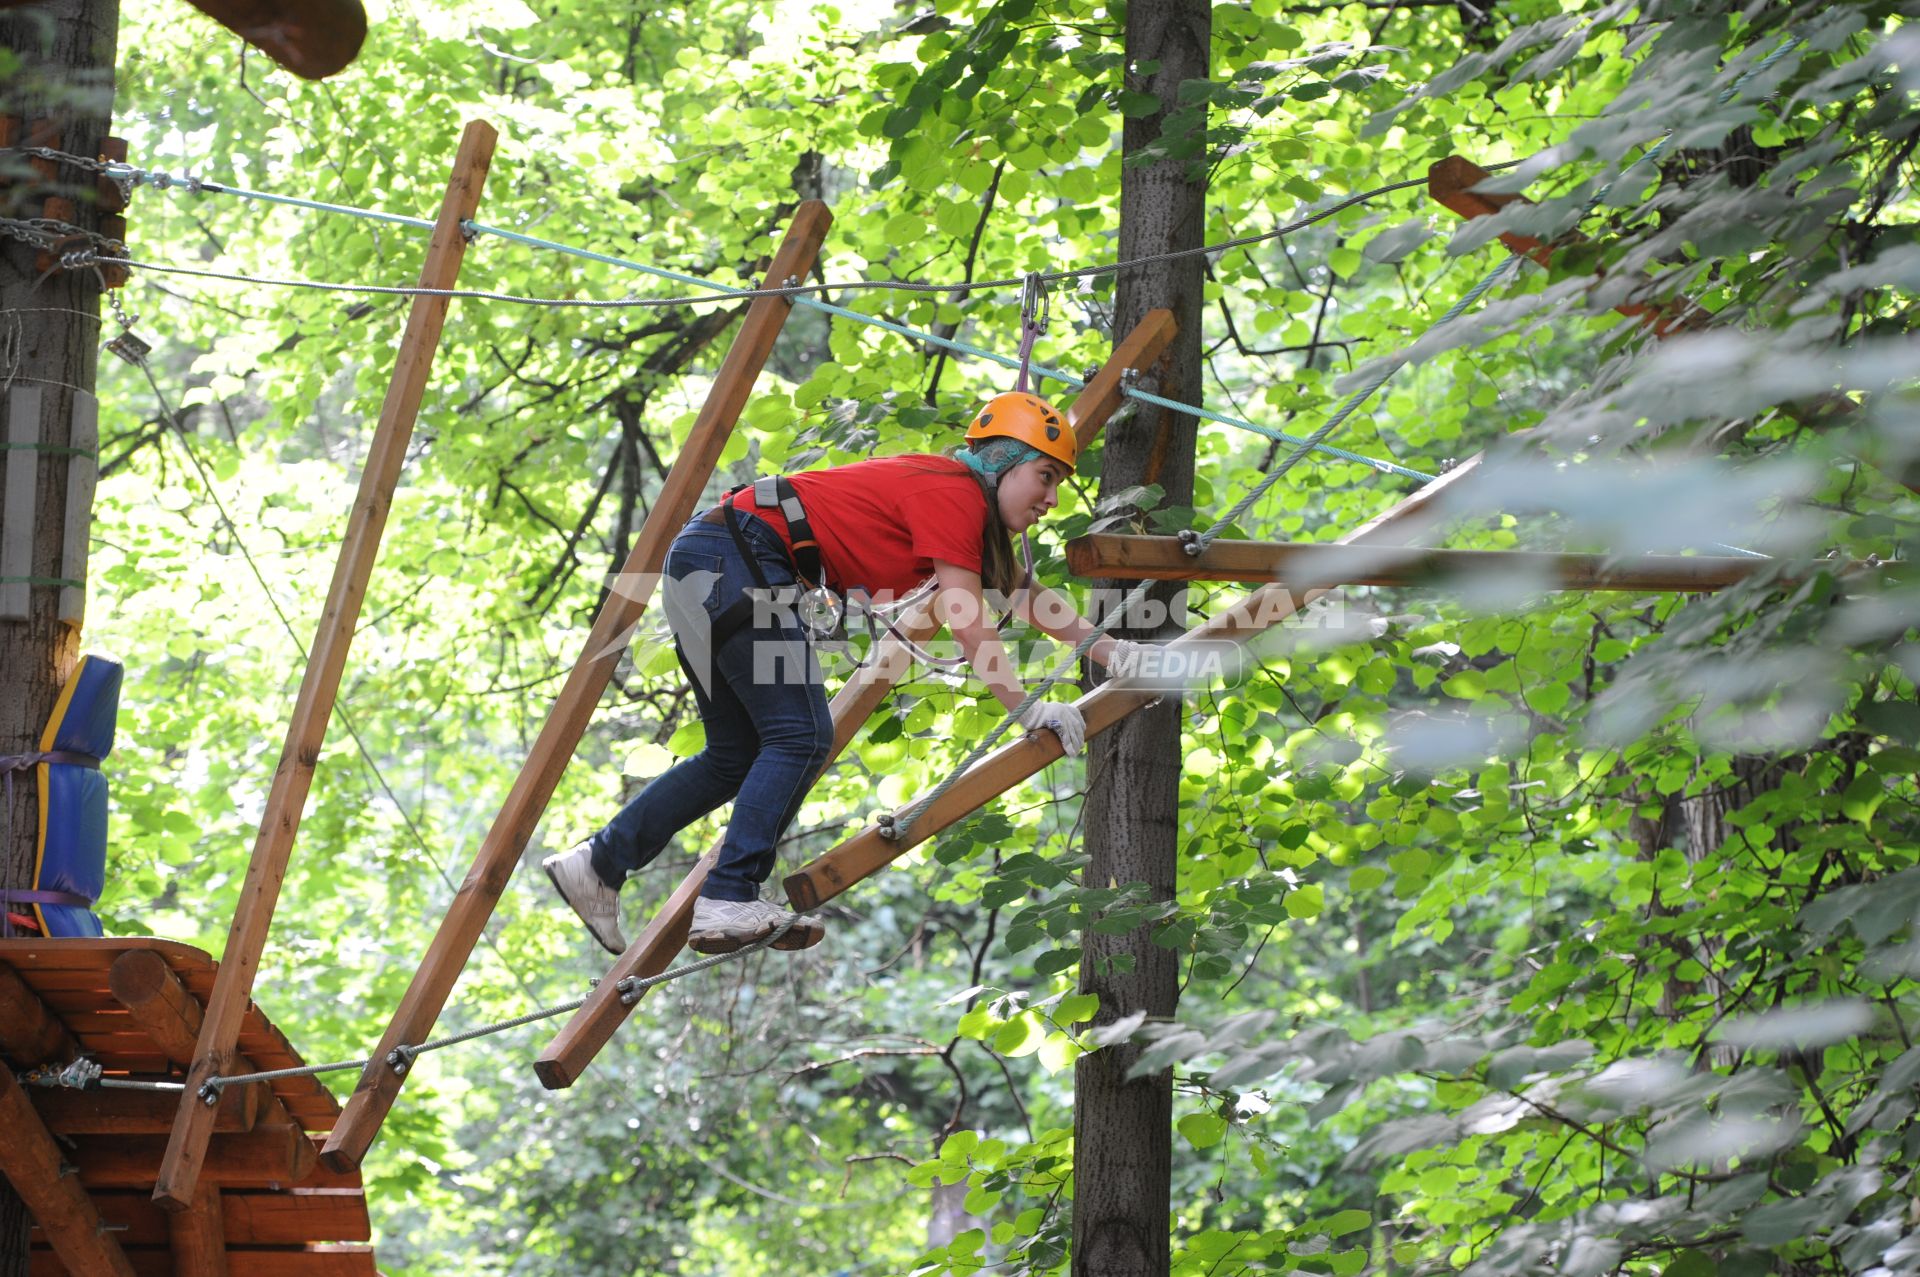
{"x": 1123, "y": 1130}
{"x": 65, "y": 49}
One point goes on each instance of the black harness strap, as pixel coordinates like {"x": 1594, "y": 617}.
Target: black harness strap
{"x": 771, "y": 493}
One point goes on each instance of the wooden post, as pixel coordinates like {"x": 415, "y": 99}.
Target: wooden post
{"x": 868, "y": 852}
{"x": 595, "y": 1023}
{"x": 1305, "y": 564}
{"x": 247, "y": 936}
{"x": 32, "y": 1163}
{"x": 499, "y": 852}
{"x": 197, "y": 1237}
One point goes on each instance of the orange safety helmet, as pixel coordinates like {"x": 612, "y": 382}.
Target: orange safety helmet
{"x": 1031, "y": 420}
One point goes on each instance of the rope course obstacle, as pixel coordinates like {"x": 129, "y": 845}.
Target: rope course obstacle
{"x": 220, "y": 1083}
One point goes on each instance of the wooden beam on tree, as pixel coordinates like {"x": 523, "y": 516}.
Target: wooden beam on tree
{"x": 33, "y": 1164}
{"x": 1306, "y": 565}
{"x": 1452, "y": 182}
{"x": 311, "y": 38}
{"x": 594, "y": 1024}
{"x": 306, "y": 732}
{"x": 869, "y": 851}
{"x": 573, "y": 709}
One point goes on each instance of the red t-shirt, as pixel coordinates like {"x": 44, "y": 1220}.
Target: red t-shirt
{"x": 882, "y": 523}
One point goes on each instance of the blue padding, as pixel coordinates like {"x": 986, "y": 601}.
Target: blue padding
{"x": 87, "y": 726}
{"x": 74, "y": 855}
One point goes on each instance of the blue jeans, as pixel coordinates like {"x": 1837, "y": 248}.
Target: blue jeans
{"x": 761, "y": 694}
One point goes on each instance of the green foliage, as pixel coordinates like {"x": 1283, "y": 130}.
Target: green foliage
{"x": 1520, "y": 931}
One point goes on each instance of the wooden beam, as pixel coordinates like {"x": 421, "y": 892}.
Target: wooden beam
{"x": 1306, "y": 565}
{"x": 868, "y": 852}
{"x": 1101, "y": 397}
{"x": 117, "y": 1112}
{"x": 313, "y": 1260}
{"x": 311, "y": 38}
{"x": 196, "y": 1236}
{"x": 157, "y": 1003}
{"x": 265, "y": 1157}
{"x": 29, "y": 1033}
{"x": 573, "y": 709}
{"x": 120, "y": 1112}
{"x": 247, "y": 936}
{"x": 162, "y": 1007}
{"x": 248, "y": 1217}
{"x": 1451, "y": 182}
{"x": 32, "y": 1163}
{"x": 595, "y": 1023}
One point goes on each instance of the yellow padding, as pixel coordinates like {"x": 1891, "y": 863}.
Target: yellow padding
{"x": 41, "y": 775}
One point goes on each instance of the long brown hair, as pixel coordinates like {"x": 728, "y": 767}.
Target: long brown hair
{"x": 1000, "y": 568}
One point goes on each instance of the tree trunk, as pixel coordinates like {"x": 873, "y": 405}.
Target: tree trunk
{"x": 1123, "y": 1131}
{"x": 49, "y": 343}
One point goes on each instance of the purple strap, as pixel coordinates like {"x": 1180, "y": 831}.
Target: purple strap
{"x": 65, "y": 757}
{"x": 45, "y": 898}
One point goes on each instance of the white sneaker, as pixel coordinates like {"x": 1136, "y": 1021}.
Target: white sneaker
{"x": 722, "y": 926}
{"x": 597, "y": 904}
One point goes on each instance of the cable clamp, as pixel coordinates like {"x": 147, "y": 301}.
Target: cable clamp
{"x": 1192, "y": 542}
{"x": 209, "y": 1092}
{"x": 791, "y": 281}
{"x": 630, "y": 991}
{"x": 1448, "y": 463}
{"x": 1129, "y": 378}
{"x": 888, "y": 826}
{"x": 400, "y": 1059}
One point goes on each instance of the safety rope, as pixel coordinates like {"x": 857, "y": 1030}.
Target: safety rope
{"x": 401, "y": 1058}
{"x": 793, "y": 290}
{"x": 131, "y": 176}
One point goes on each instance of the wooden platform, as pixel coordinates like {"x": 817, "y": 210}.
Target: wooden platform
{"x": 134, "y": 1006}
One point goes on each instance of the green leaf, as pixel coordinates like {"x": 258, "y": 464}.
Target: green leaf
{"x": 1307, "y": 901}
{"x": 1202, "y": 1130}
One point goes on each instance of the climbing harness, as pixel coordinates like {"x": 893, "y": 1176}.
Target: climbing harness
{"x": 821, "y": 613}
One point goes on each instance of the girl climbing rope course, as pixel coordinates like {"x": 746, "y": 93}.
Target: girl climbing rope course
{"x": 749, "y": 585}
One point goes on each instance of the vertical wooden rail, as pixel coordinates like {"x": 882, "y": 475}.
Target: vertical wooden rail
{"x": 247, "y": 936}
{"x": 594, "y": 1024}
{"x": 868, "y": 852}
{"x": 499, "y": 852}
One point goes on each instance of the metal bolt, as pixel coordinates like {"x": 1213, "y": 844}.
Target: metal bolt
{"x": 398, "y": 1061}
{"x": 209, "y": 1094}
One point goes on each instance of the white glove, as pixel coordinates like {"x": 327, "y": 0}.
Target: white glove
{"x": 1063, "y": 718}
{"x": 1126, "y": 658}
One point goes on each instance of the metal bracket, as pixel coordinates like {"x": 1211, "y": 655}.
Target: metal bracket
{"x": 130, "y": 348}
